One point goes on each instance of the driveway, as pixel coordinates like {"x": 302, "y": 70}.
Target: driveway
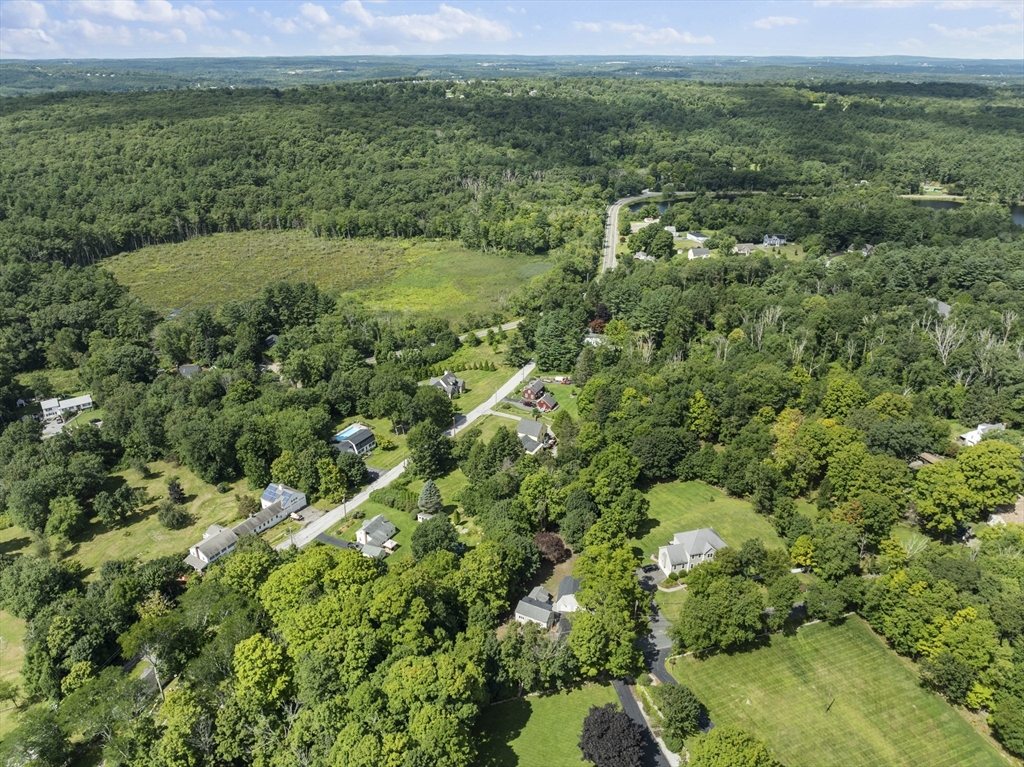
{"x": 654, "y": 757}
{"x": 656, "y": 645}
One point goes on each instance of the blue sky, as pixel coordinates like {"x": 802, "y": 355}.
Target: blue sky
{"x": 164, "y": 28}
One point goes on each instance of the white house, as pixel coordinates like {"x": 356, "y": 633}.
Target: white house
{"x": 290, "y": 498}
{"x": 536, "y": 608}
{"x": 973, "y": 437}
{"x": 698, "y": 237}
{"x": 689, "y": 549}
{"x": 355, "y": 438}
{"x": 54, "y": 408}
{"x": 375, "y": 532}
{"x": 277, "y": 501}
{"x": 217, "y": 541}
{"x": 774, "y": 240}
{"x": 696, "y": 253}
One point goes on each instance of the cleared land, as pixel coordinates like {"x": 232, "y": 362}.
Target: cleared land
{"x": 680, "y": 506}
{"x": 538, "y": 731}
{"x": 439, "y": 278}
{"x": 12, "y": 652}
{"x": 142, "y": 536}
{"x": 879, "y": 713}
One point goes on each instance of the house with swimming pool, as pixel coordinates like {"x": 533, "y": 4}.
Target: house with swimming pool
{"x": 355, "y": 438}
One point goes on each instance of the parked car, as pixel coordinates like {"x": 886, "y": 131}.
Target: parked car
{"x": 649, "y": 568}
{"x": 295, "y": 516}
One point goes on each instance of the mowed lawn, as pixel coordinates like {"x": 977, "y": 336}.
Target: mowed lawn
{"x": 538, "y": 731}
{"x": 680, "y": 506}
{"x": 880, "y": 714}
{"x": 439, "y": 278}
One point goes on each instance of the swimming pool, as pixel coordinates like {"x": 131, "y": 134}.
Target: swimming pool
{"x": 348, "y": 431}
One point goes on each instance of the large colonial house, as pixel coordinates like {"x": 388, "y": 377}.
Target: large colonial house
{"x": 689, "y": 549}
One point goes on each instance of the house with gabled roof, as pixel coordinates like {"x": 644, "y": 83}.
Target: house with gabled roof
{"x": 536, "y": 608}
{"x": 355, "y": 438}
{"x": 534, "y": 390}
{"x": 695, "y": 253}
{"x": 449, "y": 383}
{"x": 533, "y": 435}
{"x": 375, "y": 534}
{"x": 689, "y": 549}
{"x": 547, "y": 402}
{"x": 774, "y": 240}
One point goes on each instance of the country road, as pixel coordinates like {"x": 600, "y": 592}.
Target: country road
{"x": 306, "y": 535}
{"x": 611, "y": 232}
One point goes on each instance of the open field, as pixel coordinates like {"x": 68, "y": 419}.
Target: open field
{"x": 439, "y": 278}
{"x": 879, "y": 713}
{"x": 538, "y": 731}
{"x": 680, "y": 506}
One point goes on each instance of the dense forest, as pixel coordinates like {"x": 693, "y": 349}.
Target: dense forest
{"x": 499, "y": 165}
{"x": 814, "y": 380}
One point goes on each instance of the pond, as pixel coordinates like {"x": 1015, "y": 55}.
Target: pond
{"x": 1016, "y": 211}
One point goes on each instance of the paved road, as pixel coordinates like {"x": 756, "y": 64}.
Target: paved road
{"x": 611, "y": 229}
{"x": 308, "y": 534}
{"x": 483, "y": 333}
{"x": 654, "y": 757}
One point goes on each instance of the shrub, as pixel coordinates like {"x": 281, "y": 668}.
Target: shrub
{"x": 172, "y": 515}
{"x": 673, "y": 577}
{"x": 396, "y": 498}
{"x": 223, "y": 487}
{"x": 386, "y": 443}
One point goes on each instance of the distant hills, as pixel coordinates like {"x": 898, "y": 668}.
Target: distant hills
{"x": 29, "y": 77}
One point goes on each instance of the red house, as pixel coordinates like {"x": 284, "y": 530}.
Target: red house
{"x": 534, "y": 390}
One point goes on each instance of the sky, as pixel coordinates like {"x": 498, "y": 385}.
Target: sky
{"x": 120, "y": 29}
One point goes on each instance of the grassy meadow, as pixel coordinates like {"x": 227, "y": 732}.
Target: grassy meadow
{"x": 142, "y": 536}
{"x": 680, "y": 506}
{"x": 438, "y": 278}
{"x": 879, "y": 713}
{"x": 539, "y": 730}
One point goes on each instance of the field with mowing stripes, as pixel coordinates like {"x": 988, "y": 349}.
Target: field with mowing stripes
{"x": 540, "y": 731}
{"x": 879, "y": 714}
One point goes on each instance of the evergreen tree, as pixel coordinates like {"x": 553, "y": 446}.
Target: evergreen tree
{"x": 430, "y": 501}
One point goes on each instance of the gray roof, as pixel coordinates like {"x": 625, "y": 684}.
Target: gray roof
{"x": 256, "y": 520}
{"x": 378, "y": 529}
{"x": 531, "y": 428}
{"x": 530, "y": 445}
{"x": 568, "y": 585}
{"x": 536, "y": 386}
{"x": 187, "y": 371}
{"x": 213, "y": 545}
{"x": 540, "y": 594}
{"x": 549, "y": 400}
{"x": 354, "y": 443}
{"x": 676, "y": 554}
{"x": 696, "y": 542}
{"x": 373, "y": 552}
{"x": 562, "y": 627}
{"x": 941, "y": 307}
{"x": 700, "y": 251}
{"x": 531, "y": 608}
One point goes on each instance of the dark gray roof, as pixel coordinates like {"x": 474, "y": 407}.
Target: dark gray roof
{"x": 355, "y": 442}
{"x": 549, "y": 400}
{"x": 568, "y": 585}
{"x": 536, "y": 386}
{"x": 531, "y": 428}
{"x": 700, "y": 251}
{"x": 530, "y": 445}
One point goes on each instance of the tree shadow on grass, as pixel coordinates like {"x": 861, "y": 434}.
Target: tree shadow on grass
{"x": 15, "y": 545}
{"x": 506, "y": 721}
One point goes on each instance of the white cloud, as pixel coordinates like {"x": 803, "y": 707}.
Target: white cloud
{"x": 150, "y": 11}
{"x": 643, "y": 34}
{"x": 27, "y": 43}
{"x": 448, "y": 23}
{"x": 985, "y": 33}
{"x": 315, "y": 13}
{"x": 245, "y": 37}
{"x": 23, "y": 14}
{"x": 776, "y": 21}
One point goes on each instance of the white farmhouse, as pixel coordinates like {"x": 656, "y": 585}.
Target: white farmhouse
{"x": 689, "y": 549}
